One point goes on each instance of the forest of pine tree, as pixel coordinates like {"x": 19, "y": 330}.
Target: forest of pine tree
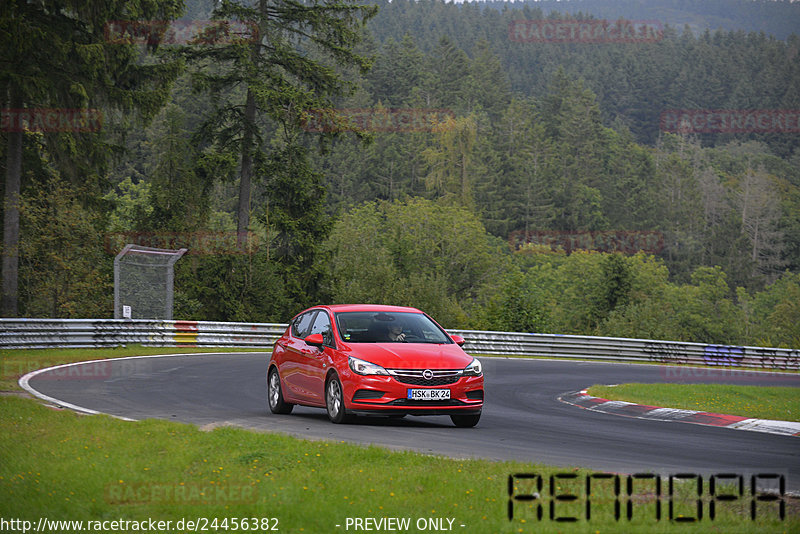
{"x": 538, "y": 190}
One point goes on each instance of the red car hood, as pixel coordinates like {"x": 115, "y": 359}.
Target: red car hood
{"x": 410, "y": 355}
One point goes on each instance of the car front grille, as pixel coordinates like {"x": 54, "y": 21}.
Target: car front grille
{"x": 416, "y": 377}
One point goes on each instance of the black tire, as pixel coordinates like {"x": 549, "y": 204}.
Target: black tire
{"x": 334, "y": 401}
{"x": 275, "y": 395}
{"x": 466, "y": 421}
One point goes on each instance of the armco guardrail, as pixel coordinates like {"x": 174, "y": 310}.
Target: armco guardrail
{"x": 624, "y": 349}
{"x": 76, "y": 333}
{"x": 57, "y": 333}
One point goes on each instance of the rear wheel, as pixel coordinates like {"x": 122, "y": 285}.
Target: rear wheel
{"x": 275, "y": 395}
{"x": 334, "y": 400}
{"x": 465, "y": 421}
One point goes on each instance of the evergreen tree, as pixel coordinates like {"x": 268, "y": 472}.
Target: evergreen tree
{"x": 178, "y": 194}
{"x": 57, "y": 55}
{"x": 274, "y": 76}
{"x": 518, "y": 191}
{"x": 449, "y": 67}
{"x": 488, "y": 88}
{"x": 572, "y": 120}
{"x": 397, "y": 71}
{"x": 452, "y": 163}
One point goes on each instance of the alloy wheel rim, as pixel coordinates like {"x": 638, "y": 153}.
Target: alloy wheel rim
{"x": 273, "y": 389}
{"x": 334, "y": 398}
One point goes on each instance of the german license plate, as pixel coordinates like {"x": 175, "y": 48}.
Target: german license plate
{"x": 429, "y": 394}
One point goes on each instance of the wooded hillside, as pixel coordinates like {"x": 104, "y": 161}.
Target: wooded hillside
{"x": 429, "y": 158}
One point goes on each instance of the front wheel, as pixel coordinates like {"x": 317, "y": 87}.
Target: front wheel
{"x": 334, "y": 400}
{"x": 275, "y": 395}
{"x": 466, "y": 421}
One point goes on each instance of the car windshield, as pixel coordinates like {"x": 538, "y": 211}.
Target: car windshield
{"x": 389, "y": 327}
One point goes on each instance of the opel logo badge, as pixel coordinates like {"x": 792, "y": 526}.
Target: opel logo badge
{"x": 427, "y": 374}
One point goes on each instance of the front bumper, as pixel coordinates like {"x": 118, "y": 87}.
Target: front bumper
{"x": 386, "y": 395}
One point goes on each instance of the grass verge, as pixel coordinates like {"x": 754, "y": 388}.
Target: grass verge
{"x": 63, "y": 466}
{"x": 761, "y": 402}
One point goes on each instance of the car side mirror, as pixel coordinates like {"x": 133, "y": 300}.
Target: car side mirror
{"x": 458, "y": 340}
{"x": 315, "y": 339}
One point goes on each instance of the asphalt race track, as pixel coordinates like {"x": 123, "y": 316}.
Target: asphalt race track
{"x": 522, "y": 418}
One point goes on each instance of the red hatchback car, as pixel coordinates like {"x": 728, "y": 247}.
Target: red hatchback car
{"x": 370, "y": 359}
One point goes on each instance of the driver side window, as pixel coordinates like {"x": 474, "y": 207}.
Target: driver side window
{"x": 322, "y": 325}
{"x": 301, "y": 325}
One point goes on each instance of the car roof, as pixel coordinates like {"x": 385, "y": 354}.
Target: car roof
{"x": 368, "y": 308}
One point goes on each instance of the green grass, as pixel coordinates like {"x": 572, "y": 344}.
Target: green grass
{"x": 65, "y": 466}
{"x": 61, "y": 465}
{"x": 781, "y": 403}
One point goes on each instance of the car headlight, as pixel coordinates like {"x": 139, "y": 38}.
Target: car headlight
{"x": 473, "y": 369}
{"x": 365, "y": 368}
